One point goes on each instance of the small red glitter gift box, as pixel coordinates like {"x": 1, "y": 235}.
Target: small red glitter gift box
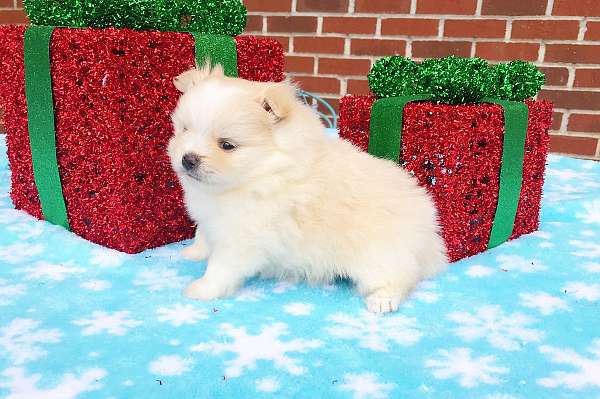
{"x": 456, "y": 152}
{"x": 112, "y": 96}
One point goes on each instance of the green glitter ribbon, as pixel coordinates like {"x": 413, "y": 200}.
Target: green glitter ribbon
{"x": 385, "y": 142}
{"x": 225, "y": 17}
{"x": 455, "y": 80}
{"x": 40, "y": 122}
{"x": 218, "y": 49}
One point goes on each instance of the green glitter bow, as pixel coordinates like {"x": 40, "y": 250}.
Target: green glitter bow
{"x": 455, "y": 80}
{"x": 222, "y": 17}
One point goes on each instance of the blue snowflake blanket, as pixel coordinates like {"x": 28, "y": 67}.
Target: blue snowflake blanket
{"x": 520, "y": 321}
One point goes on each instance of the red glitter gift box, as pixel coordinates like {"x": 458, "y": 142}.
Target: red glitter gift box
{"x": 455, "y": 151}
{"x": 113, "y": 96}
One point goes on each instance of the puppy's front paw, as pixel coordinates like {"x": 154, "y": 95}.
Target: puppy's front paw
{"x": 382, "y": 302}
{"x": 194, "y": 252}
{"x": 203, "y": 290}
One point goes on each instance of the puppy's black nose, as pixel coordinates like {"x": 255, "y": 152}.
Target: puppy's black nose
{"x": 190, "y": 161}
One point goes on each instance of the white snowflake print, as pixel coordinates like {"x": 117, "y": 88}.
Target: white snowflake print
{"x": 25, "y": 231}
{"x": 267, "y": 345}
{"x": 106, "y": 257}
{"x": 161, "y": 279}
{"x": 375, "y": 332}
{"x": 170, "y": 365}
{"x": 250, "y": 294}
{"x": 545, "y": 303}
{"x": 283, "y": 286}
{"x": 519, "y": 264}
{"x": 10, "y": 291}
{"x": 13, "y": 216}
{"x": 588, "y": 233}
{"x": 477, "y": 271}
{"x": 116, "y": 323}
{"x": 591, "y": 212}
{"x": 470, "y": 371}
{"x": 585, "y": 370}
{"x": 20, "y": 252}
{"x": 21, "y": 386}
{"x": 581, "y": 290}
{"x": 96, "y": 285}
{"x": 268, "y": 384}
{"x": 591, "y": 267}
{"x": 299, "y": 308}
{"x": 568, "y": 174}
{"x": 506, "y": 332}
{"x": 424, "y": 292}
{"x": 586, "y": 249}
{"x": 21, "y": 338}
{"x": 180, "y": 314}
{"x": 50, "y": 271}
{"x": 366, "y": 386}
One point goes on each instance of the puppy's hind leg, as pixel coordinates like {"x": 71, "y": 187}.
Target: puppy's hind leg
{"x": 386, "y": 283}
{"x": 198, "y": 250}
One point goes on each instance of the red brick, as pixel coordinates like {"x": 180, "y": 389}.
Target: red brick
{"x": 556, "y": 120}
{"x": 593, "y": 30}
{"x": 585, "y": 8}
{"x": 344, "y": 66}
{"x": 286, "y": 24}
{"x": 334, "y": 102}
{"x": 19, "y": 3}
{"x": 513, "y": 7}
{"x": 573, "y": 145}
{"x": 572, "y": 99}
{"x": 587, "y": 77}
{"x": 534, "y": 29}
{"x": 388, "y": 6}
{"x": 460, "y": 7}
{"x": 322, "y": 5}
{"x": 284, "y": 40}
{"x": 573, "y": 53}
{"x": 322, "y": 45}
{"x": 498, "y": 51}
{"x": 316, "y": 84}
{"x": 268, "y": 5}
{"x": 358, "y": 87}
{"x": 6, "y": 4}
{"x": 555, "y": 76}
{"x": 377, "y": 47}
{"x": 349, "y": 25}
{"x": 255, "y": 23}
{"x": 409, "y": 26}
{"x": 434, "y": 49}
{"x": 584, "y": 123}
{"x": 8, "y": 17}
{"x": 474, "y": 28}
{"x": 294, "y": 63}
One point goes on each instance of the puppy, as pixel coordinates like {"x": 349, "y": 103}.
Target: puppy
{"x": 274, "y": 196}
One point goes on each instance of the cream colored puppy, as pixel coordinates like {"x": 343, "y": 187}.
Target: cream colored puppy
{"x": 274, "y": 196}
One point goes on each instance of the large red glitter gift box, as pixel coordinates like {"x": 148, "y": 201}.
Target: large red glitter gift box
{"x": 111, "y": 96}
{"x": 458, "y": 152}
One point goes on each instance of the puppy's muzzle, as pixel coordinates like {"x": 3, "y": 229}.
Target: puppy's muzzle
{"x": 190, "y": 162}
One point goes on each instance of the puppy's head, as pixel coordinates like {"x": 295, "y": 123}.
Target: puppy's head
{"x": 224, "y": 128}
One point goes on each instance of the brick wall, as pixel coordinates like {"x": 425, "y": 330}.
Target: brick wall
{"x": 331, "y": 45}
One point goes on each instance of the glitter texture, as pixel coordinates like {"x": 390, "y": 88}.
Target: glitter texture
{"x": 225, "y": 17}
{"x": 455, "y": 80}
{"x": 113, "y": 97}
{"x": 455, "y": 151}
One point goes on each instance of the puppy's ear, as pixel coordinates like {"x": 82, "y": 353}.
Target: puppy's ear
{"x": 191, "y": 78}
{"x": 278, "y": 99}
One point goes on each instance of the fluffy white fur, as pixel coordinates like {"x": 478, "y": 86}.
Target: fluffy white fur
{"x": 290, "y": 202}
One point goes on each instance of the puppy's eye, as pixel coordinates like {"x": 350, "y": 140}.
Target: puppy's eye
{"x": 226, "y": 145}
